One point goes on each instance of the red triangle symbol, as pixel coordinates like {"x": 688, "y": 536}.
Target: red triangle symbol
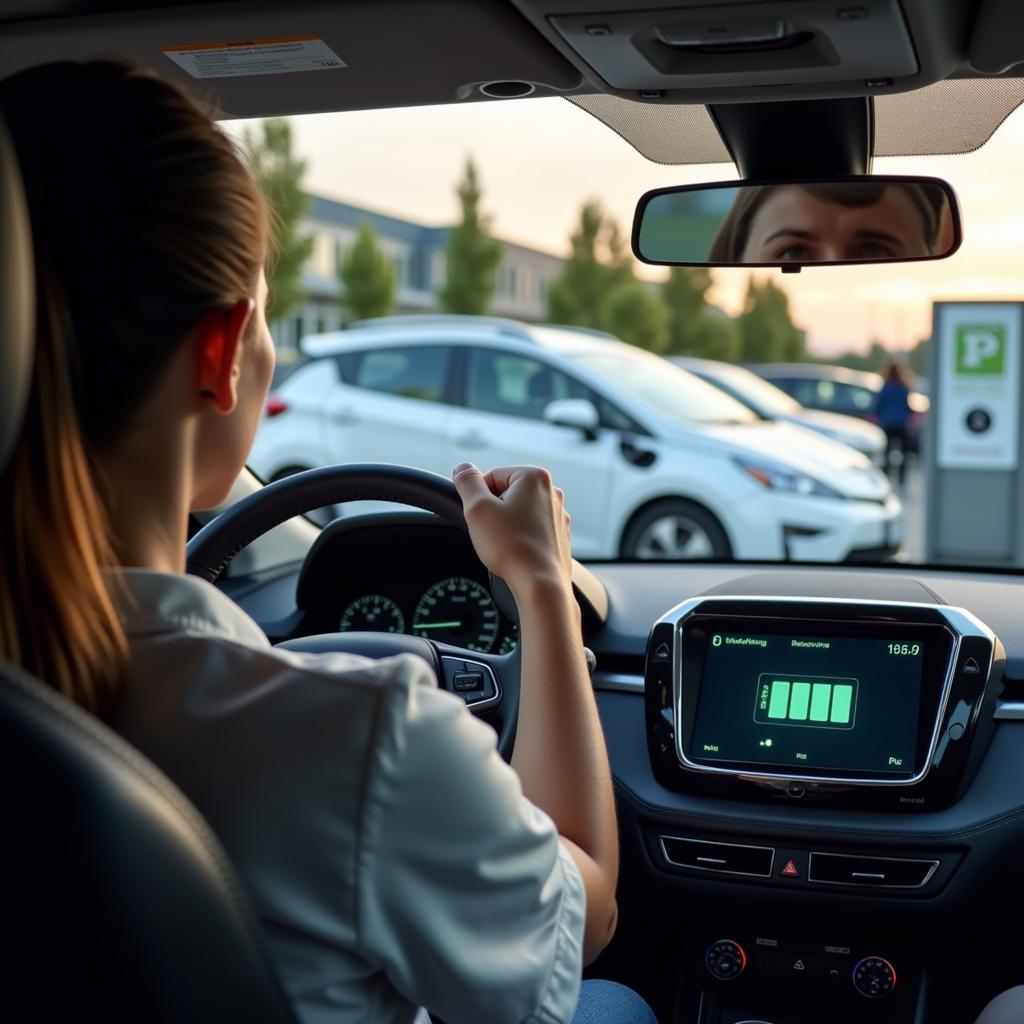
{"x": 791, "y": 870}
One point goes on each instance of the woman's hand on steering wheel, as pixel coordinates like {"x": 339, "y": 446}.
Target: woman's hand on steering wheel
{"x": 518, "y": 524}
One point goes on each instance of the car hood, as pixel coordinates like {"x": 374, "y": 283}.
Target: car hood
{"x": 858, "y": 430}
{"x": 797, "y": 448}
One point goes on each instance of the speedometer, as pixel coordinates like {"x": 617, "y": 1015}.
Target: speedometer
{"x": 374, "y": 613}
{"x": 458, "y": 611}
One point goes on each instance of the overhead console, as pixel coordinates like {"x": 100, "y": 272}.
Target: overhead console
{"x": 881, "y": 704}
{"x": 753, "y": 44}
{"x": 728, "y": 51}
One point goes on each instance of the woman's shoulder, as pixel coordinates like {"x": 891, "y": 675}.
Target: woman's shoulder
{"x": 199, "y": 665}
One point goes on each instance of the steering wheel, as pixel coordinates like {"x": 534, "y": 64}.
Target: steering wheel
{"x": 488, "y": 682}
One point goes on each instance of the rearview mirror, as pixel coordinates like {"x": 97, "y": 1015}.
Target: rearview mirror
{"x": 794, "y": 224}
{"x": 573, "y": 412}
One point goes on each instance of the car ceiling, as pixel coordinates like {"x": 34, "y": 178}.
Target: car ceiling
{"x": 962, "y": 57}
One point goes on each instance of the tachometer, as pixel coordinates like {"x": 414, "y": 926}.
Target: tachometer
{"x": 458, "y": 611}
{"x": 372, "y": 613}
{"x": 510, "y": 642}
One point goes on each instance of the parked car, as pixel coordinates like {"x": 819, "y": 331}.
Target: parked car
{"x": 655, "y": 463}
{"x": 837, "y": 389}
{"x": 772, "y": 403}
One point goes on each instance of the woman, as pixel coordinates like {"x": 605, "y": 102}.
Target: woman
{"x": 891, "y": 411}
{"x": 832, "y": 223}
{"x": 395, "y": 860}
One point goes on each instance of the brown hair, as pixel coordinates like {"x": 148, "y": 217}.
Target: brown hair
{"x": 143, "y": 219}
{"x": 898, "y": 372}
{"x": 731, "y": 238}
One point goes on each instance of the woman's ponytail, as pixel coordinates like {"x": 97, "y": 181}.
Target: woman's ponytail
{"x": 143, "y": 220}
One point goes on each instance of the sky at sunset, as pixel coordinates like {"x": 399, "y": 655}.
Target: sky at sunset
{"x": 541, "y": 159}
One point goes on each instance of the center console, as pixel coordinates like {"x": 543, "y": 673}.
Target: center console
{"x": 875, "y": 705}
{"x": 814, "y": 704}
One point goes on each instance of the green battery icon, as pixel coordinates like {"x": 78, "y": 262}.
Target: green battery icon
{"x": 811, "y": 701}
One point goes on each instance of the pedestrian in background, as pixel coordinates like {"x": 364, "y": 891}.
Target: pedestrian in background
{"x": 892, "y": 412}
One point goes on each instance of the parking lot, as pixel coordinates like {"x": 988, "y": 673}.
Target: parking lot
{"x": 912, "y": 494}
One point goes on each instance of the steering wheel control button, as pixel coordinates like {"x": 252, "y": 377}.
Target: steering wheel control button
{"x": 790, "y": 870}
{"x": 473, "y": 681}
{"x": 468, "y": 681}
{"x": 725, "y": 959}
{"x": 874, "y": 977}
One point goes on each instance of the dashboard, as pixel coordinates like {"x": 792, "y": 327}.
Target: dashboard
{"x": 421, "y": 579}
{"x": 745, "y": 897}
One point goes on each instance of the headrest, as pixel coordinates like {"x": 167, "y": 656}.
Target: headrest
{"x": 17, "y": 299}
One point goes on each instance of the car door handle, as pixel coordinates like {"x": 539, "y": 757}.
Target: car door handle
{"x": 344, "y": 417}
{"x": 471, "y": 439}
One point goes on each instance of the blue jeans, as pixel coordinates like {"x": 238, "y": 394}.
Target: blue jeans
{"x": 607, "y": 1002}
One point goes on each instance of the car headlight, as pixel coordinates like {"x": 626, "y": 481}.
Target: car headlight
{"x": 782, "y": 478}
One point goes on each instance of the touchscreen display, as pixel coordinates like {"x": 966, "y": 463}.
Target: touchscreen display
{"x": 828, "y": 703}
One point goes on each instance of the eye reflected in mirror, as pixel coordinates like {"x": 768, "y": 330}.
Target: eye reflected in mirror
{"x": 865, "y": 219}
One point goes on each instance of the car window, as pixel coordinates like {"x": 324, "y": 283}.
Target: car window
{"x": 409, "y": 372}
{"x": 787, "y": 384}
{"x": 815, "y": 394}
{"x": 515, "y": 385}
{"x": 853, "y": 399}
{"x": 760, "y": 395}
{"x": 666, "y": 390}
{"x": 611, "y": 416}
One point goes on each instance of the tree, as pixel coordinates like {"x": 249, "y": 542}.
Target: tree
{"x": 714, "y": 336}
{"x": 694, "y": 328}
{"x": 280, "y": 173}
{"x": 917, "y": 358}
{"x": 367, "y": 277}
{"x": 636, "y": 314}
{"x": 767, "y": 331}
{"x": 599, "y": 260}
{"x": 473, "y": 255}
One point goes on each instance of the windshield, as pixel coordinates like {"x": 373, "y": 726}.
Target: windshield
{"x": 769, "y": 400}
{"x": 666, "y": 390}
{"x": 518, "y": 218}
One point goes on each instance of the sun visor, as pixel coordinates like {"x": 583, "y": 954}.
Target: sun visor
{"x": 955, "y": 116}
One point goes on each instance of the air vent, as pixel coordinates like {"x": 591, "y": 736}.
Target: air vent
{"x": 1011, "y": 700}
{"x": 882, "y": 872}
{"x": 725, "y": 858}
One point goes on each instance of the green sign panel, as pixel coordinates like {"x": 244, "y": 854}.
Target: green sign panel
{"x": 980, "y": 349}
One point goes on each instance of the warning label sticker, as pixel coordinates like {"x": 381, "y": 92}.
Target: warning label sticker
{"x": 279, "y": 56}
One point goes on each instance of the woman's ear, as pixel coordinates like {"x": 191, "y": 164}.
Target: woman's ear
{"x": 220, "y": 344}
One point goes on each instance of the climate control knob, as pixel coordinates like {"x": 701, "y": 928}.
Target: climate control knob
{"x": 874, "y": 977}
{"x": 725, "y": 959}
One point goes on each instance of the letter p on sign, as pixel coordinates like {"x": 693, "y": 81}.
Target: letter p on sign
{"x": 980, "y": 349}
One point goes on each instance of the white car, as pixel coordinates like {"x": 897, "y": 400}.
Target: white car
{"x": 655, "y": 463}
{"x": 772, "y": 403}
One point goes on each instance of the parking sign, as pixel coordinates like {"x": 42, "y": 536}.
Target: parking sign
{"x": 979, "y": 384}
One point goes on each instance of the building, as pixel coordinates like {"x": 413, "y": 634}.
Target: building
{"x": 418, "y": 255}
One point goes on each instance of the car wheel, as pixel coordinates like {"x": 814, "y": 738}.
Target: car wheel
{"x": 320, "y": 516}
{"x": 675, "y": 530}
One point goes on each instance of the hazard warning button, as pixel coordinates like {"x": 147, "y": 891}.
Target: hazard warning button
{"x": 790, "y": 870}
